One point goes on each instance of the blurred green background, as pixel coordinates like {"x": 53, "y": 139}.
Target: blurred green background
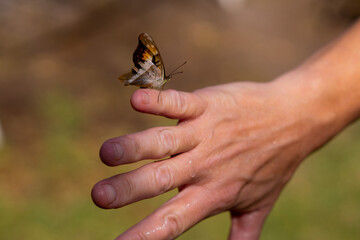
{"x": 60, "y": 100}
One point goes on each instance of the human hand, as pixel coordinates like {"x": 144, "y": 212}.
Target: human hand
{"x": 234, "y": 149}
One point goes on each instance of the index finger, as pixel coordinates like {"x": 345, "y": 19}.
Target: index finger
{"x": 170, "y": 103}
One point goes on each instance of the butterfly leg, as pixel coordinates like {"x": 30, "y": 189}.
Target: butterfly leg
{"x": 161, "y": 89}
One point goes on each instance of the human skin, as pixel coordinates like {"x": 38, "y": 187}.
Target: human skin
{"x": 235, "y": 146}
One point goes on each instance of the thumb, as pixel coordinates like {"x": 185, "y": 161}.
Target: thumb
{"x": 247, "y": 226}
{"x": 171, "y": 103}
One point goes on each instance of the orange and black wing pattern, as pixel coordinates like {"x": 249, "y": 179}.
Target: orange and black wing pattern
{"x": 147, "y": 50}
{"x": 149, "y": 69}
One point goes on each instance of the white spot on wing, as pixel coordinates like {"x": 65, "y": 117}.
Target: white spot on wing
{"x": 144, "y": 67}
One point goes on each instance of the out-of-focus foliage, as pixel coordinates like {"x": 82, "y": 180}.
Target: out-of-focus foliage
{"x": 60, "y": 99}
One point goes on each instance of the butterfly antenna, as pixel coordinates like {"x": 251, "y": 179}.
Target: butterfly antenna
{"x": 174, "y": 71}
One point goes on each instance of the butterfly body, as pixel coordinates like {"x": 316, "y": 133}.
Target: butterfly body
{"x": 149, "y": 70}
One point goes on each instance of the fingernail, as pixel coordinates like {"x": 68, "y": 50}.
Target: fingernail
{"x": 110, "y": 193}
{"x": 145, "y": 98}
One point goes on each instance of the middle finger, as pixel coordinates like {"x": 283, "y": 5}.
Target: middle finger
{"x": 154, "y": 143}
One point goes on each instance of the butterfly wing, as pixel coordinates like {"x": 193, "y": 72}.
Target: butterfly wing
{"x": 149, "y": 69}
{"x": 147, "y": 50}
{"x": 144, "y": 77}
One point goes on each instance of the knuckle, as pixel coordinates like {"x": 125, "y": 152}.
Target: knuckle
{"x": 179, "y": 102}
{"x": 128, "y": 188}
{"x": 174, "y": 225}
{"x": 167, "y": 141}
{"x": 132, "y": 145}
{"x": 141, "y": 236}
{"x": 131, "y": 142}
{"x": 163, "y": 177}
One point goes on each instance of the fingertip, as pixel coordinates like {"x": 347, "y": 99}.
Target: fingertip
{"x": 98, "y": 195}
{"x": 111, "y": 153}
{"x": 136, "y": 97}
{"x": 141, "y": 99}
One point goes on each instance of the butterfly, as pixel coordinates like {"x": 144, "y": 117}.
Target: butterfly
{"x": 149, "y": 70}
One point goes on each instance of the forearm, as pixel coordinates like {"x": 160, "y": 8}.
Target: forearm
{"x": 328, "y": 83}
{"x": 337, "y": 71}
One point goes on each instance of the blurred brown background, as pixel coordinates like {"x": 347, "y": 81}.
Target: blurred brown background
{"x": 60, "y": 99}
